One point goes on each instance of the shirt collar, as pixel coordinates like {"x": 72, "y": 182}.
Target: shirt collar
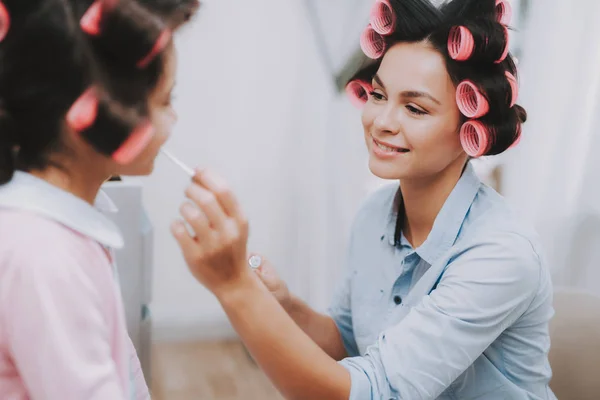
{"x": 449, "y": 220}
{"x": 29, "y": 193}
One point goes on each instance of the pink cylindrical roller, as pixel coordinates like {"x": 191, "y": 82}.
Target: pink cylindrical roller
{"x": 358, "y": 92}
{"x": 160, "y": 44}
{"x": 471, "y": 102}
{"x": 519, "y": 134}
{"x": 383, "y": 18}
{"x": 460, "y": 43}
{"x": 475, "y": 138}
{"x": 135, "y": 143}
{"x": 90, "y": 22}
{"x": 83, "y": 112}
{"x": 504, "y": 11}
{"x": 514, "y": 88}
{"x": 506, "y": 46}
{"x": 4, "y": 21}
{"x": 372, "y": 43}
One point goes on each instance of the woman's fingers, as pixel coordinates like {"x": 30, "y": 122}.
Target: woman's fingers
{"x": 187, "y": 243}
{"x": 209, "y": 205}
{"x": 220, "y": 189}
{"x": 196, "y": 219}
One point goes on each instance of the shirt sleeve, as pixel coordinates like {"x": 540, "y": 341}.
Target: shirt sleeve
{"x": 56, "y": 331}
{"x": 484, "y": 290}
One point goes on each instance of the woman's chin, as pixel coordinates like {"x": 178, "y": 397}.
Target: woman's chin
{"x": 384, "y": 170}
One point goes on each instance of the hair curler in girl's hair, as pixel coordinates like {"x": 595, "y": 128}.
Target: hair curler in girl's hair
{"x": 358, "y": 92}
{"x": 475, "y": 138}
{"x": 126, "y": 23}
{"x": 121, "y": 143}
{"x": 503, "y": 11}
{"x": 478, "y": 42}
{"x": 514, "y": 87}
{"x": 383, "y": 18}
{"x": 4, "y": 21}
{"x": 372, "y": 43}
{"x": 471, "y": 102}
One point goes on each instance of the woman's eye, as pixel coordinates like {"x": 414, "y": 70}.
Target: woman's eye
{"x": 416, "y": 111}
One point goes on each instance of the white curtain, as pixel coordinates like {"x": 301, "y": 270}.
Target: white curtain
{"x": 553, "y": 177}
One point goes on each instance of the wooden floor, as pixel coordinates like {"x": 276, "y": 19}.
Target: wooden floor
{"x": 207, "y": 371}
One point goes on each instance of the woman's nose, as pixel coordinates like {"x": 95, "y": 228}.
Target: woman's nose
{"x": 388, "y": 121}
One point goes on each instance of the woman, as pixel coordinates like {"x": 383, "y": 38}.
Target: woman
{"x": 446, "y": 294}
{"x": 85, "y": 94}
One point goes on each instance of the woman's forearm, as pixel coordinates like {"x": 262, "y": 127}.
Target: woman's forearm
{"x": 294, "y": 363}
{"x": 321, "y": 328}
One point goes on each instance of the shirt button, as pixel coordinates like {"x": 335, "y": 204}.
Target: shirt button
{"x": 397, "y": 300}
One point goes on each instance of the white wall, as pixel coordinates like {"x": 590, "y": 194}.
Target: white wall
{"x": 256, "y": 104}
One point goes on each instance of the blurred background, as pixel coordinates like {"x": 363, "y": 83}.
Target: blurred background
{"x": 260, "y": 101}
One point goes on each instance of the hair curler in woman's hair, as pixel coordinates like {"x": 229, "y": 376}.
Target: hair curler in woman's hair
{"x": 90, "y": 116}
{"x": 4, "y": 21}
{"x": 478, "y": 42}
{"x": 475, "y": 138}
{"x": 358, "y": 92}
{"x": 383, "y": 18}
{"x": 372, "y": 43}
{"x": 506, "y": 44}
{"x": 514, "y": 87}
{"x": 471, "y": 102}
{"x": 460, "y": 43}
{"x": 124, "y": 22}
{"x": 503, "y": 11}
{"x": 519, "y": 133}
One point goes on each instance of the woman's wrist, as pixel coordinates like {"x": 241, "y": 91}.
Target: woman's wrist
{"x": 238, "y": 290}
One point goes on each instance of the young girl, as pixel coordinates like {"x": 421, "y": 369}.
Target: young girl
{"x": 85, "y": 94}
{"x": 446, "y": 293}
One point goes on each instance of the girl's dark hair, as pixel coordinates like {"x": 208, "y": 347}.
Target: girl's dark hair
{"x": 486, "y": 66}
{"x": 47, "y": 62}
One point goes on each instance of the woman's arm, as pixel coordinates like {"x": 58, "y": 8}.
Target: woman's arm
{"x": 294, "y": 362}
{"x": 321, "y": 328}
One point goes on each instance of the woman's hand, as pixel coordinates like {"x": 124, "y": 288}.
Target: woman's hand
{"x": 216, "y": 252}
{"x": 273, "y": 282}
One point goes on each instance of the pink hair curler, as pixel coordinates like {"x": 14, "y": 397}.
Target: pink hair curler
{"x": 505, "y": 53}
{"x": 475, "y": 138}
{"x": 471, "y": 102}
{"x": 4, "y": 21}
{"x": 504, "y": 11}
{"x": 514, "y": 87}
{"x": 519, "y": 134}
{"x": 91, "y": 20}
{"x": 135, "y": 143}
{"x": 372, "y": 43}
{"x": 460, "y": 43}
{"x": 83, "y": 112}
{"x": 383, "y": 18}
{"x": 161, "y": 43}
{"x": 358, "y": 92}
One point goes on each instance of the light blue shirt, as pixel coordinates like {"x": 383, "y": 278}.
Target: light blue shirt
{"x": 462, "y": 317}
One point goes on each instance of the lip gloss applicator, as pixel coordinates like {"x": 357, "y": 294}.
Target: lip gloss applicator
{"x": 179, "y": 163}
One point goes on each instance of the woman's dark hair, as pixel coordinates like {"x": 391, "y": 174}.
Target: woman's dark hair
{"x": 47, "y": 61}
{"x": 485, "y": 63}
